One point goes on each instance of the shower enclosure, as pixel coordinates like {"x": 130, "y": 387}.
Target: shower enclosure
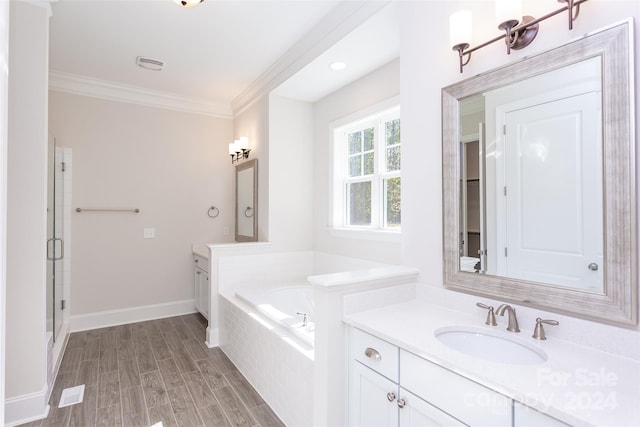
{"x": 55, "y": 241}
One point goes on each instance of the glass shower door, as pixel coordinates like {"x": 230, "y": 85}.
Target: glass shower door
{"x": 55, "y": 244}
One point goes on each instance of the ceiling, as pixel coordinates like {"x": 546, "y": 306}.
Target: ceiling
{"x": 214, "y": 51}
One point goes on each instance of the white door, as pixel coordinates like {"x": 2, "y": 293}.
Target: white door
{"x": 416, "y": 412}
{"x": 551, "y": 159}
{"x": 370, "y": 401}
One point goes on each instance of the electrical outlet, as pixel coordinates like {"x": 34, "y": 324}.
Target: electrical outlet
{"x": 149, "y": 233}
{"x": 225, "y": 231}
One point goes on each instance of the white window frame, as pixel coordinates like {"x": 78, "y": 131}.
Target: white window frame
{"x": 376, "y": 117}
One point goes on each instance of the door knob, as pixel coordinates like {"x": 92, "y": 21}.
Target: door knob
{"x": 593, "y": 266}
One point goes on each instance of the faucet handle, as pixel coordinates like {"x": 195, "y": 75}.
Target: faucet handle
{"x": 491, "y": 317}
{"x": 305, "y": 318}
{"x": 538, "y": 331}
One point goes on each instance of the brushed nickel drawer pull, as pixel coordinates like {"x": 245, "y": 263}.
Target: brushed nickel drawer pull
{"x": 372, "y": 354}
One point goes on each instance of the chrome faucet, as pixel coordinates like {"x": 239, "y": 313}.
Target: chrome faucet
{"x": 513, "y": 320}
{"x": 305, "y": 318}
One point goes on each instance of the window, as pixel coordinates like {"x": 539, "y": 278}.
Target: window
{"x": 367, "y": 173}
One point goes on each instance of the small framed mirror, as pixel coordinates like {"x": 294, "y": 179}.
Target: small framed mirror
{"x": 247, "y": 201}
{"x": 539, "y": 181}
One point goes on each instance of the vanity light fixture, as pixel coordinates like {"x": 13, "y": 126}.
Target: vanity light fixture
{"x": 518, "y": 30}
{"x": 239, "y": 149}
{"x": 188, "y": 3}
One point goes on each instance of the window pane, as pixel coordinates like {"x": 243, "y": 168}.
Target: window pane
{"x": 393, "y": 158}
{"x": 368, "y": 163}
{"x": 392, "y": 132}
{"x": 355, "y": 165}
{"x": 368, "y": 139}
{"x": 355, "y": 142}
{"x": 359, "y": 203}
{"x": 392, "y": 202}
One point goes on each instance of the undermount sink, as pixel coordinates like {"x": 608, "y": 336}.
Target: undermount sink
{"x": 490, "y": 345}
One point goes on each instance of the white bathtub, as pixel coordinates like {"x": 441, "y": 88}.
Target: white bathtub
{"x": 287, "y": 306}
{"x": 299, "y": 371}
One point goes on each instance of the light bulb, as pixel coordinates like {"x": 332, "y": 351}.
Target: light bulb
{"x": 460, "y": 28}
{"x": 508, "y": 10}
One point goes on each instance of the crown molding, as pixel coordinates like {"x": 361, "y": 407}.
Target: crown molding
{"x": 87, "y": 86}
{"x": 339, "y": 22}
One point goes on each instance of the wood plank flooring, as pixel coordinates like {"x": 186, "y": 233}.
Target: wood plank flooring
{"x": 147, "y": 373}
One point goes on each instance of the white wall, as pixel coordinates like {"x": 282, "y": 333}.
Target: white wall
{"x": 253, "y": 122}
{"x": 378, "y": 86}
{"x": 26, "y": 210}
{"x": 4, "y": 98}
{"x": 172, "y": 166}
{"x": 291, "y": 189}
{"x": 428, "y": 64}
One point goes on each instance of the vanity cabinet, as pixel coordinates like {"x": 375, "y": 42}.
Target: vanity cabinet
{"x": 524, "y": 416}
{"x": 377, "y": 396}
{"x": 390, "y": 386}
{"x": 201, "y": 285}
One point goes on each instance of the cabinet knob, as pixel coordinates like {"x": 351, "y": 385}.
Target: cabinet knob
{"x": 401, "y": 403}
{"x": 391, "y": 396}
{"x": 372, "y": 353}
{"x": 198, "y": 273}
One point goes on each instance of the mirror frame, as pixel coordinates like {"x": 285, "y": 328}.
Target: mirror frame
{"x": 239, "y": 168}
{"x": 618, "y": 304}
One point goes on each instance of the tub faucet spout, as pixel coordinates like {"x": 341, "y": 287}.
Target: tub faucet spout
{"x": 305, "y": 319}
{"x": 513, "y": 320}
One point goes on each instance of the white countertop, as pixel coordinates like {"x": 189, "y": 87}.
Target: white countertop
{"x": 200, "y": 249}
{"x": 577, "y": 384}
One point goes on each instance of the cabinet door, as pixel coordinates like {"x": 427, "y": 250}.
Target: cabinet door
{"x": 467, "y": 400}
{"x": 205, "y": 296}
{"x": 524, "y": 416}
{"x": 198, "y": 283}
{"x": 415, "y": 412}
{"x": 369, "y": 405}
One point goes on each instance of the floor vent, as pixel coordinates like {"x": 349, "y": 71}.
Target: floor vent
{"x": 71, "y": 396}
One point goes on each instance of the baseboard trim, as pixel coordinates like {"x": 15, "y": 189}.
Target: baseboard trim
{"x": 26, "y": 408}
{"x": 103, "y": 319}
{"x": 213, "y": 337}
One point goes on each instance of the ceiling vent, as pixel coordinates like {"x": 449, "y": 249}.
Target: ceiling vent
{"x": 149, "y": 63}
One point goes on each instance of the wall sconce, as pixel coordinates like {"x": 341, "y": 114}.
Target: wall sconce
{"x": 519, "y": 31}
{"x": 239, "y": 149}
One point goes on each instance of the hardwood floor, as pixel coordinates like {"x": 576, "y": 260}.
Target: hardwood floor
{"x": 147, "y": 373}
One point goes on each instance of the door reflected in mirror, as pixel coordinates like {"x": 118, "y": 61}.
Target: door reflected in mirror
{"x": 531, "y": 179}
{"x": 247, "y": 201}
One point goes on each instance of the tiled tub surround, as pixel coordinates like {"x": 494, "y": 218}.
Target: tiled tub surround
{"x": 281, "y": 371}
{"x": 302, "y": 382}
{"x": 580, "y": 385}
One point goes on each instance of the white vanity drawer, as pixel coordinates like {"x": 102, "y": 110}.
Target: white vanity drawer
{"x": 523, "y": 416}
{"x": 201, "y": 262}
{"x": 375, "y": 353}
{"x": 468, "y": 401}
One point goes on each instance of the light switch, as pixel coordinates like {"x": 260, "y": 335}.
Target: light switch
{"x": 225, "y": 231}
{"x": 149, "y": 233}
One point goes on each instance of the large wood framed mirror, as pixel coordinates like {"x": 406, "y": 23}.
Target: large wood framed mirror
{"x": 539, "y": 181}
{"x": 247, "y": 201}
